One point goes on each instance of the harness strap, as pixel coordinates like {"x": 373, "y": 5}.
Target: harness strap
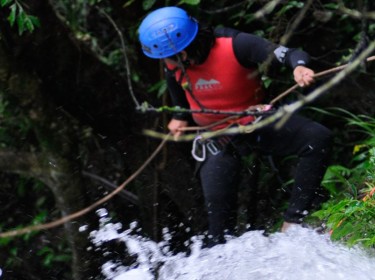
{"x": 216, "y": 145}
{"x": 213, "y": 146}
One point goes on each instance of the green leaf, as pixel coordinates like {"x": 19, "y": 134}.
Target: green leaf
{"x": 147, "y": 4}
{"x": 40, "y": 217}
{"x": 159, "y": 87}
{"x": 35, "y": 21}
{"x": 62, "y": 258}
{"x": 48, "y": 260}
{"x": 21, "y": 22}
{"x": 5, "y": 241}
{"x": 128, "y": 3}
{"x": 162, "y": 89}
{"x": 12, "y": 15}
{"x": 332, "y": 6}
{"x": 17, "y": 14}
{"x": 355, "y": 237}
{"x": 266, "y": 81}
{"x": 342, "y": 231}
{"x": 29, "y": 25}
{"x": 190, "y": 2}
{"x": 44, "y": 251}
{"x": 5, "y": 2}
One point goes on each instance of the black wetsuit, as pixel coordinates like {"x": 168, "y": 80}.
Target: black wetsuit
{"x": 310, "y": 141}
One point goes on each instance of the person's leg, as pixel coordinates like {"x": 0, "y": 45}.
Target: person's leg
{"x": 220, "y": 176}
{"x": 312, "y": 143}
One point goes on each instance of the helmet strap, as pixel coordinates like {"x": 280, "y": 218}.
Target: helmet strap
{"x": 183, "y": 62}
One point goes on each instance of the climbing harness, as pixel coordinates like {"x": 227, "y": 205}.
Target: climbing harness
{"x": 201, "y": 146}
{"x": 215, "y": 146}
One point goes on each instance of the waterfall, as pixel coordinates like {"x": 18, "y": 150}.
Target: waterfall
{"x": 299, "y": 254}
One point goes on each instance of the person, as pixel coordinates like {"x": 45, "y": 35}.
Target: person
{"x": 216, "y": 69}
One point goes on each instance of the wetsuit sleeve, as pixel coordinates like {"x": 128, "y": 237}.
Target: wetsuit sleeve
{"x": 177, "y": 94}
{"x": 251, "y": 49}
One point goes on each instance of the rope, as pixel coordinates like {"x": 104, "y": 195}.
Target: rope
{"x": 88, "y": 209}
{"x": 75, "y": 215}
{"x": 317, "y": 75}
{"x": 286, "y": 111}
{"x": 280, "y": 96}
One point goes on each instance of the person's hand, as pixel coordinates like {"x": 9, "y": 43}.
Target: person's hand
{"x": 175, "y": 127}
{"x": 303, "y": 76}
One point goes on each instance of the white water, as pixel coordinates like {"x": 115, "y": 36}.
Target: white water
{"x": 299, "y": 254}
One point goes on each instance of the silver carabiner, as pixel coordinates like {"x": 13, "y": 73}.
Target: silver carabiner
{"x": 194, "y": 150}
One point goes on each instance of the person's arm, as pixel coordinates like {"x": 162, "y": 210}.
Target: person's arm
{"x": 178, "y": 98}
{"x": 177, "y": 94}
{"x": 251, "y": 49}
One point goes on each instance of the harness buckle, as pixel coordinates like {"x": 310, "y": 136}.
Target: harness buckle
{"x": 212, "y": 147}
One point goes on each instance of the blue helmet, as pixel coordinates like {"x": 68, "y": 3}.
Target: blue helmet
{"x": 166, "y": 31}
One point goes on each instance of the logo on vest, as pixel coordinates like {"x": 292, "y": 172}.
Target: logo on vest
{"x": 207, "y": 85}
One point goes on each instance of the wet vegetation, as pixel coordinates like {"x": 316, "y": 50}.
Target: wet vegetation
{"x": 76, "y": 94}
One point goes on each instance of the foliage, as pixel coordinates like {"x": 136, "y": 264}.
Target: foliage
{"x": 35, "y": 200}
{"x": 350, "y": 213}
{"x": 18, "y": 15}
{"x": 326, "y": 32}
{"x": 51, "y": 256}
{"x": 14, "y": 126}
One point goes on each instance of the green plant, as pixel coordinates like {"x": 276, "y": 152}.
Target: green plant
{"x": 350, "y": 213}
{"x": 35, "y": 200}
{"x": 17, "y": 15}
{"x": 14, "y": 125}
{"x": 53, "y": 257}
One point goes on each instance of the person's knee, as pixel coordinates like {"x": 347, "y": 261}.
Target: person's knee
{"x": 319, "y": 139}
{"x": 220, "y": 175}
{"x": 324, "y": 139}
{"x": 221, "y": 201}
{"x": 326, "y": 134}
{"x": 320, "y": 132}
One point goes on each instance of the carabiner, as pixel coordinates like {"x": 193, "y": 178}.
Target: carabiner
{"x": 194, "y": 150}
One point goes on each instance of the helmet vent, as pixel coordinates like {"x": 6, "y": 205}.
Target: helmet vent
{"x": 178, "y": 35}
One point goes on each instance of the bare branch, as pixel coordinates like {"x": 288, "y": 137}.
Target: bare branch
{"x": 268, "y": 8}
{"x": 355, "y": 13}
{"x": 23, "y": 163}
{"x": 225, "y": 9}
{"x": 124, "y": 193}
{"x": 126, "y": 60}
{"x": 285, "y": 38}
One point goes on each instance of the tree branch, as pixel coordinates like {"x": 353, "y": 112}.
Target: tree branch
{"x": 23, "y": 163}
{"x": 286, "y": 111}
{"x": 88, "y": 209}
{"x": 124, "y": 193}
{"x": 355, "y": 13}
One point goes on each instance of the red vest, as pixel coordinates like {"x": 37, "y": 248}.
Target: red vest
{"x": 221, "y": 83}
